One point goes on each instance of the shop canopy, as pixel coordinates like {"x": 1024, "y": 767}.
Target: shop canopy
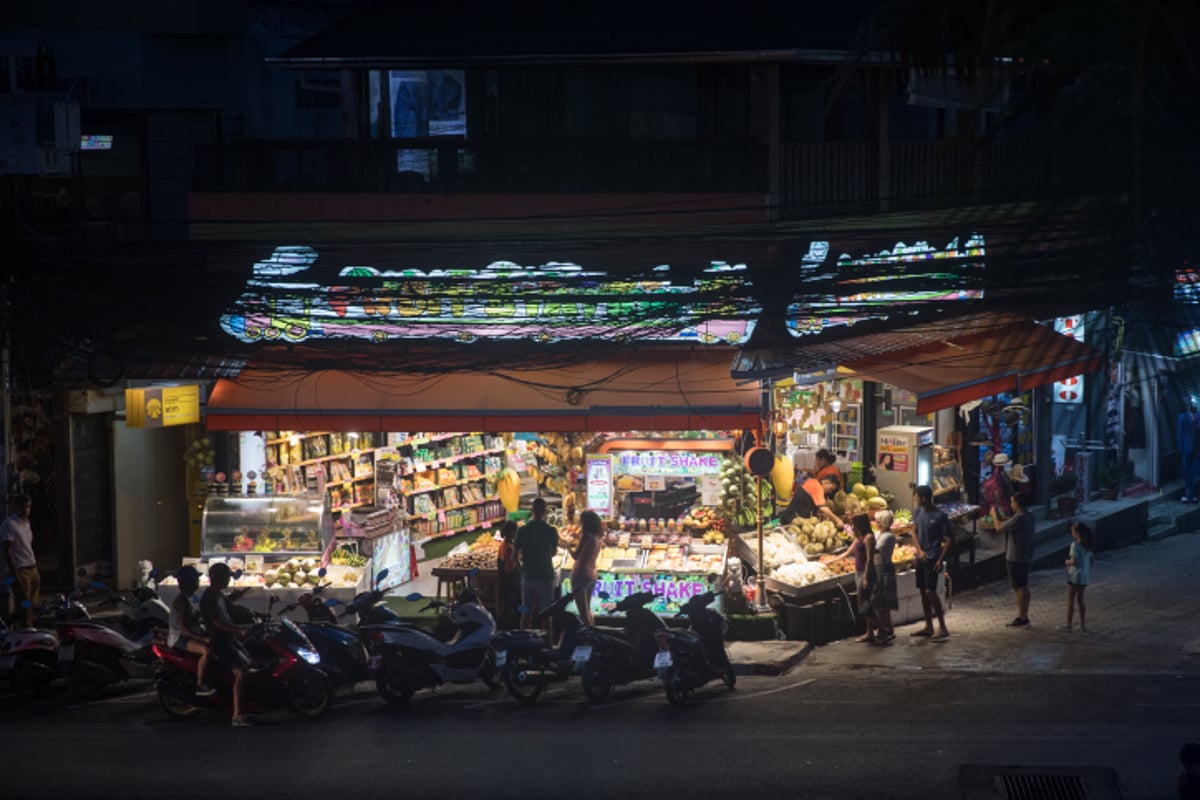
{"x": 956, "y": 369}
{"x": 686, "y": 390}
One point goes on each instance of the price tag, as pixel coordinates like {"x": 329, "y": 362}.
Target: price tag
{"x": 662, "y": 659}
{"x": 581, "y": 653}
{"x": 501, "y": 657}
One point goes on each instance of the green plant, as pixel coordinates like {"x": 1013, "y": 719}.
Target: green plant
{"x": 1110, "y": 476}
{"x": 1063, "y": 483}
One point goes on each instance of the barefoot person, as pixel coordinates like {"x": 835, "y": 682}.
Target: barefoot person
{"x": 1079, "y": 572}
{"x": 932, "y": 534}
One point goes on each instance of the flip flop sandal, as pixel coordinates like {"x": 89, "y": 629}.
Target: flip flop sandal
{"x": 922, "y": 633}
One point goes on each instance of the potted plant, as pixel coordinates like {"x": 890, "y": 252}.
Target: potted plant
{"x": 1109, "y": 480}
{"x": 1063, "y": 487}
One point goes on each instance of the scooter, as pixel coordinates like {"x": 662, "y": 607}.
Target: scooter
{"x": 408, "y": 658}
{"x": 141, "y": 615}
{"x": 287, "y": 673}
{"x": 528, "y": 662}
{"x": 343, "y": 654}
{"x": 613, "y": 658}
{"x": 689, "y": 658}
{"x": 92, "y": 656}
{"x": 28, "y": 657}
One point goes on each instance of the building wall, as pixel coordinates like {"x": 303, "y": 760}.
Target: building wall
{"x": 91, "y": 488}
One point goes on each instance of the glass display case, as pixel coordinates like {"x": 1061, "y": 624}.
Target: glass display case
{"x": 277, "y": 526}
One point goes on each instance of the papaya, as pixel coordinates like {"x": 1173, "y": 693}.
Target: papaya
{"x": 508, "y": 486}
{"x": 783, "y": 478}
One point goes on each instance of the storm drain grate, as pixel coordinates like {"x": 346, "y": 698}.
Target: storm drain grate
{"x": 985, "y": 782}
{"x": 1041, "y": 787}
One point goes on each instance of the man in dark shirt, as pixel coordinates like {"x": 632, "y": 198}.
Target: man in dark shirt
{"x": 932, "y": 531}
{"x": 226, "y": 649}
{"x": 537, "y": 542}
{"x": 1018, "y": 554}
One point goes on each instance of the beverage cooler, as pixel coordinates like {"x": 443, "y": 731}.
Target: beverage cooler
{"x": 904, "y": 459}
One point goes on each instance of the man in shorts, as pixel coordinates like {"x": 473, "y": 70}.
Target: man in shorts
{"x": 1018, "y": 555}
{"x": 932, "y": 532}
{"x": 537, "y": 542}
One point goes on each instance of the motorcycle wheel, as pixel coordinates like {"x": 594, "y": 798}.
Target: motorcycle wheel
{"x": 677, "y": 691}
{"x": 175, "y": 702}
{"x": 310, "y": 696}
{"x": 487, "y": 672}
{"x": 389, "y": 684}
{"x": 729, "y": 678}
{"x": 525, "y": 692}
{"x": 595, "y": 686}
{"x": 30, "y": 680}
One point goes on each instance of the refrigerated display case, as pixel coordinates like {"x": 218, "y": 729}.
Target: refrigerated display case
{"x": 904, "y": 460}
{"x": 275, "y": 527}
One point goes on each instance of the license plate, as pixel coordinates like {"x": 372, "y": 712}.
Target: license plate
{"x": 66, "y": 652}
{"x": 662, "y": 659}
{"x": 501, "y": 657}
{"x": 7, "y": 662}
{"x": 582, "y": 653}
{"x": 374, "y": 662}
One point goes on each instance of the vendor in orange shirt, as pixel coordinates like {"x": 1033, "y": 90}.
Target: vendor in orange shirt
{"x": 827, "y": 465}
{"x": 808, "y": 500}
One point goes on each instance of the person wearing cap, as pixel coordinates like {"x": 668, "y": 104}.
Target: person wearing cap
{"x": 997, "y": 488}
{"x": 226, "y": 648}
{"x": 184, "y": 631}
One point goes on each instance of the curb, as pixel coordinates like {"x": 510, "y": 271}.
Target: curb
{"x": 773, "y": 668}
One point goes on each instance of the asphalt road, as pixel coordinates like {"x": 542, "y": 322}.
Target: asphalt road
{"x": 817, "y": 732}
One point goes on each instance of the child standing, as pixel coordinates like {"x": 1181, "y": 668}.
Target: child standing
{"x": 1079, "y": 570}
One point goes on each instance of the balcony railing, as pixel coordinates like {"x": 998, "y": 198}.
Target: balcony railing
{"x": 815, "y": 179}
{"x": 454, "y": 165}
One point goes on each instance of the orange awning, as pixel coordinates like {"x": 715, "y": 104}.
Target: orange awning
{"x": 961, "y": 369}
{"x": 651, "y": 391}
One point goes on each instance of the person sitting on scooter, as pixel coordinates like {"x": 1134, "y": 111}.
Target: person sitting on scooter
{"x": 226, "y": 648}
{"x": 184, "y": 631}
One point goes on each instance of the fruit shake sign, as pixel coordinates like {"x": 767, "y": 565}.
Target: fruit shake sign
{"x": 671, "y": 590}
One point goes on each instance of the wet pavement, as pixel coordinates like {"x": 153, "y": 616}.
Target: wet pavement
{"x": 1142, "y": 612}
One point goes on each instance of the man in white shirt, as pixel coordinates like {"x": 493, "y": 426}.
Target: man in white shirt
{"x": 16, "y": 542}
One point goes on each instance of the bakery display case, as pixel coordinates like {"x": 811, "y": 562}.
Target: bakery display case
{"x": 276, "y": 526}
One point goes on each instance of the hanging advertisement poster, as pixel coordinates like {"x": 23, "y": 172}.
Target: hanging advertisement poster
{"x": 1070, "y": 390}
{"x": 893, "y": 453}
{"x": 600, "y": 484}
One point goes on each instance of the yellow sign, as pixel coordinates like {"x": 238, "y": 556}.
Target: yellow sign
{"x": 162, "y": 407}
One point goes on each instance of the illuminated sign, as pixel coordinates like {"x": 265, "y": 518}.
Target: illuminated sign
{"x": 96, "y": 141}
{"x": 1187, "y": 343}
{"x": 671, "y": 590}
{"x": 552, "y": 302}
{"x": 162, "y": 407}
{"x": 1071, "y": 389}
{"x": 1187, "y": 286}
{"x": 871, "y": 286}
{"x": 668, "y": 462}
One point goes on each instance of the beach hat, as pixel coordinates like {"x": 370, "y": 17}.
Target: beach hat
{"x": 1017, "y": 473}
{"x": 1001, "y": 460}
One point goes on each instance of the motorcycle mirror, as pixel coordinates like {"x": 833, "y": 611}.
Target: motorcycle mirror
{"x": 195, "y": 598}
{"x": 9, "y": 581}
{"x": 414, "y": 597}
{"x": 237, "y": 574}
{"x": 26, "y": 604}
{"x": 604, "y": 595}
{"x": 321, "y": 572}
{"x": 333, "y": 601}
{"x": 379, "y": 576}
{"x": 472, "y": 572}
{"x": 524, "y": 609}
{"x": 274, "y": 598}
{"x": 712, "y": 578}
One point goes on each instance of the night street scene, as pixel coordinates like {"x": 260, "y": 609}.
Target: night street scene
{"x": 610, "y": 400}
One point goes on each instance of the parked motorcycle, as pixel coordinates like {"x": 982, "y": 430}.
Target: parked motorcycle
{"x": 287, "y": 672}
{"x": 92, "y": 656}
{"x": 343, "y": 653}
{"x": 29, "y": 656}
{"x": 408, "y": 658}
{"x": 528, "y": 661}
{"x": 616, "y": 657}
{"x": 689, "y": 658}
{"x": 143, "y": 613}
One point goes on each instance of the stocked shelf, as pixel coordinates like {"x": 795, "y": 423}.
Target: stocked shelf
{"x": 947, "y": 473}
{"x": 844, "y": 432}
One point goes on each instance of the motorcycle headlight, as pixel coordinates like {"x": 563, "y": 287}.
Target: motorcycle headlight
{"x": 311, "y": 656}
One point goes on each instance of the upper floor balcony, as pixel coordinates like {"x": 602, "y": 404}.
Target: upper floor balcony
{"x": 809, "y": 178}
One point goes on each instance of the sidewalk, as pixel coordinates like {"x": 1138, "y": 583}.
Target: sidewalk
{"x": 1141, "y": 619}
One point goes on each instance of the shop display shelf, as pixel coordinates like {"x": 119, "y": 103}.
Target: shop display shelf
{"x": 422, "y": 466}
{"x": 434, "y": 513}
{"x": 447, "y": 485}
{"x": 478, "y": 526}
